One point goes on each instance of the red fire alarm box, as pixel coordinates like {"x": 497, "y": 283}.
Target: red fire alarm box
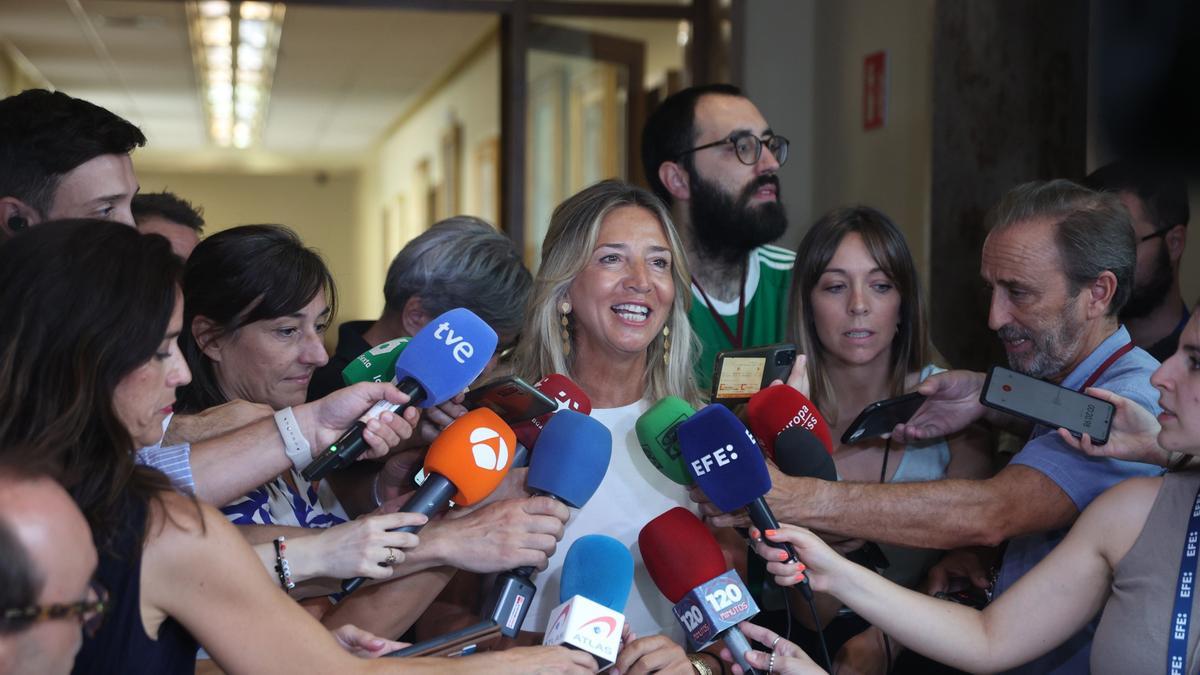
{"x": 875, "y": 90}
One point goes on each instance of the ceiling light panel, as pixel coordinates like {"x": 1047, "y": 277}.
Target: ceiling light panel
{"x": 234, "y": 48}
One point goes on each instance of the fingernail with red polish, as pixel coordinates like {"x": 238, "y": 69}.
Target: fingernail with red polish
{"x": 781, "y": 555}
{"x": 772, "y": 533}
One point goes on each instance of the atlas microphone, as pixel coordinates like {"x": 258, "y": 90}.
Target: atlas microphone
{"x": 686, "y": 563}
{"x": 466, "y": 463}
{"x": 729, "y": 468}
{"x": 780, "y": 407}
{"x": 569, "y": 463}
{"x": 657, "y": 433}
{"x": 597, "y": 575}
{"x": 439, "y": 362}
{"x": 569, "y": 397}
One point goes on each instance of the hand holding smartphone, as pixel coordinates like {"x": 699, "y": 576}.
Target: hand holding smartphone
{"x": 739, "y": 374}
{"x": 1048, "y": 404}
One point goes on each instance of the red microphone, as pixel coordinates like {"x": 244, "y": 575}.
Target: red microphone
{"x": 569, "y": 396}
{"x": 686, "y": 563}
{"x": 780, "y": 407}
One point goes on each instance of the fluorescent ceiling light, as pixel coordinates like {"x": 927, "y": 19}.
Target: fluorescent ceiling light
{"x": 234, "y": 49}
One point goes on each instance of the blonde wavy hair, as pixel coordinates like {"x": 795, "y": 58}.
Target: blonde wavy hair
{"x": 574, "y": 228}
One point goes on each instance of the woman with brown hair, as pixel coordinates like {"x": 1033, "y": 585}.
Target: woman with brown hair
{"x": 858, "y": 317}
{"x": 88, "y": 369}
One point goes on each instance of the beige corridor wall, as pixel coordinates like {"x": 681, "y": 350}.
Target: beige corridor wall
{"x": 390, "y": 201}
{"x": 322, "y": 212}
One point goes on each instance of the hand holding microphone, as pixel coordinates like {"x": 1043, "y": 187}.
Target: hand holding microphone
{"x": 465, "y": 464}
{"x": 437, "y": 364}
{"x": 569, "y": 462}
{"x": 685, "y": 562}
{"x": 782, "y": 656}
{"x": 597, "y": 574}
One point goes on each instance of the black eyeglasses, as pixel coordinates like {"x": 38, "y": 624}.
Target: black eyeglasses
{"x": 748, "y": 147}
{"x": 89, "y": 612}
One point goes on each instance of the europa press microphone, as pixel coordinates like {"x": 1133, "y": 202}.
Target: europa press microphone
{"x": 466, "y": 462}
{"x": 569, "y": 463}
{"x": 780, "y": 407}
{"x": 597, "y": 574}
{"x": 686, "y": 563}
{"x": 569, "y": 397}
{"x": 657, "y": 430}
{"x": 439, "y": 362}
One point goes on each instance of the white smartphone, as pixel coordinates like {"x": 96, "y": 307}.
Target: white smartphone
{"x": 1047, "y": 404}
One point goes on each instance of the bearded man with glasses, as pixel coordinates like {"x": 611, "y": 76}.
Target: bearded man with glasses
{"x": 711, "y": 156}
{"x": 47, "y": 561}
{"x": 1157, "y": 200}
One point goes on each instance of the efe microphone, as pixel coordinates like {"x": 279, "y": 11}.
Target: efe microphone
{"x": 686, "y": 563}
{"x": 439, "y": 362}
{"x": 729, "y": 468}
{"x": 597, "y": 574}
{"x": 466, "y": 463}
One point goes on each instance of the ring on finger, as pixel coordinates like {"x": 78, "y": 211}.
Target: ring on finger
{"x": 771, "y": 663}
{"x": 391, "y": 557}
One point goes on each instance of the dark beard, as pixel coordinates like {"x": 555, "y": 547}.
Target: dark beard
{"x": 728, "y": 229}
{"x": 1149, "y": 294}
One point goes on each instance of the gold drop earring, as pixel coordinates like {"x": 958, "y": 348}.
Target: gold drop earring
{"x": 565, "y": 310}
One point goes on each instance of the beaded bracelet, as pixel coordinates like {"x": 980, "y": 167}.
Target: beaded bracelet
{"x": 281, "y": 565}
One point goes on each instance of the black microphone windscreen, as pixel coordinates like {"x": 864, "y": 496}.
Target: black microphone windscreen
{"x": 798, "y": 452}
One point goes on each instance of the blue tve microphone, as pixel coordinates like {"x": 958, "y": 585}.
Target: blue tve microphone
{"x": 439, "y": 362}
{"x": 569, "y": 461}
{"x": 597, "y": 575}
{"x": 729, "y": 468}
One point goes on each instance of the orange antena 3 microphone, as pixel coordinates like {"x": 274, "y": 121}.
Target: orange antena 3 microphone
{"x": 466, "y": 463}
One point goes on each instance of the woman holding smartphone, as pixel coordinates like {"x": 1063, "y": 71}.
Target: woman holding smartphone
{"x": 1126, "y": 556}
{"x": 858, "y": 317}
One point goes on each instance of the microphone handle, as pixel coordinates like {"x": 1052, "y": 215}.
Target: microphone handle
{"x": 764, "y": 519}
{"x": 346, "y": 449}
{"x": 430, "y": 498}
{"x": 520, "y": 458}
{"x": 738, "y": 646}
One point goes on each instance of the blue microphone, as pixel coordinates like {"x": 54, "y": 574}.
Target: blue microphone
{"x": 569, "y": 462}
{"x": 597, "y": 575}
{"x": 600, "y": 569}
{"x": 724, "y": 458}
{"x": 570, "y": 459}
{"x": 439, "y": 362}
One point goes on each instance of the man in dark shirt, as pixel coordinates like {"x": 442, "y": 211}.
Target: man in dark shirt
{"x": 1158, "y": 202}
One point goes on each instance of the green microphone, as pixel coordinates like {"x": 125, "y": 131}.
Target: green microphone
{"x": 377, "y": 364}
{"x": 656, "y": 434}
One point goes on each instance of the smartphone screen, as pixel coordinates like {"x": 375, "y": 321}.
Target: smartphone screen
{"x": 513, "y": 399}
{"x": 881, "y": 417}
{"x": 740, "y": 374}
{"x": 1048, "y": 404}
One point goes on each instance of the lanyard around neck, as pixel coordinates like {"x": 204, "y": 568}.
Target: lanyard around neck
{"x": 1181, "y": 613}
{"x": 735, "y": 340}
{"x": 1112, "y": 358}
